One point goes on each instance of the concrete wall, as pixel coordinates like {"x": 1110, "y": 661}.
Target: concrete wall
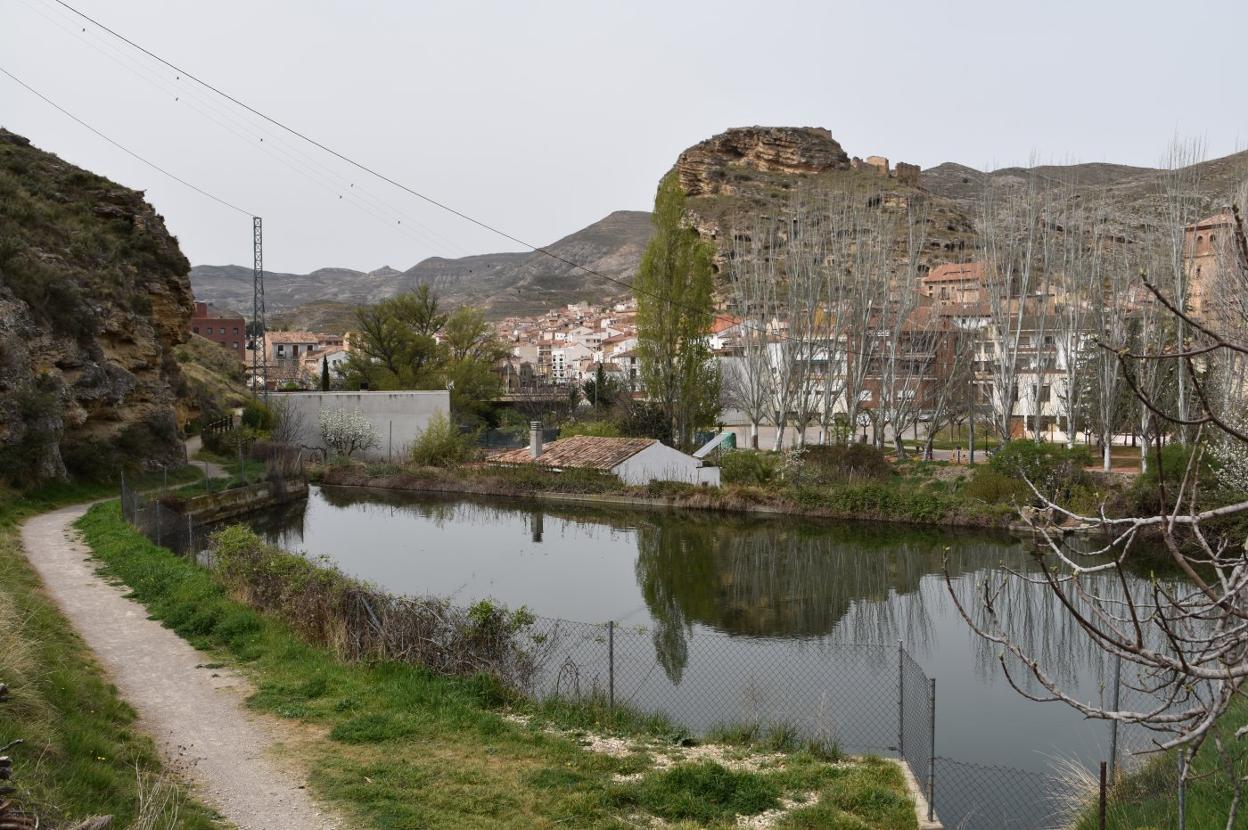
{"x": 659, "y": 462}
{"x": 216, "y": 507}
{"x": 398, "y": 417}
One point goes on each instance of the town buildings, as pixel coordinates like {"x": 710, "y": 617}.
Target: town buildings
{"x": 227, "y": 331}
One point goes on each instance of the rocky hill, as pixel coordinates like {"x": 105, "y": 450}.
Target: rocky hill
{"x": 747, "y": 172}
{"x": 504, "y": 283}
{"x": 1138, "y": 192}
{"x": 730, "y": 179}
{"x": 94, "y": 299}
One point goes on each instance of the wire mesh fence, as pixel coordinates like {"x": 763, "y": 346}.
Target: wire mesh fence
{"x": 858, "y": 698}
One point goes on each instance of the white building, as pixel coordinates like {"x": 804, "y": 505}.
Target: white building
{"x": 635, "y": 460}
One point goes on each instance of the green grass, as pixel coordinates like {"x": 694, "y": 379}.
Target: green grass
{"x": 706, "y": 792}
{"x": 81, "y": 754}
{"x": 397, "y": 747}
{"x": 1148, "y": 797}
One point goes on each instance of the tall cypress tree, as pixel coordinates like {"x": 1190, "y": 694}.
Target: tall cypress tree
{"x": 674, "y": 316}
{"x": 325, "y": 373}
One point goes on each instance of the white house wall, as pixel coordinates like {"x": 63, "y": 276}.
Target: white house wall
{"x": 398, "y": 417}
{"x": 659, "y": 462}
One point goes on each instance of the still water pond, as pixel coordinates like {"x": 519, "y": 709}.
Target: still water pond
{"x": 713, "y": 598}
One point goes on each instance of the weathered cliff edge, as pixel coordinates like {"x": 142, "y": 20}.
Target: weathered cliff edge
{"x": 94, "y": 298}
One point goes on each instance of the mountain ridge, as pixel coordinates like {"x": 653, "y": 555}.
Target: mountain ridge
{"x": 742, "y": 169}
{"x": 504, "y": 283}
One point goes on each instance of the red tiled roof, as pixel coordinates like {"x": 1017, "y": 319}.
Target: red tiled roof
{"x": 584, "y": 452}
{"x": 292, "y": 337}
{"x": 1222, "y": 217}
{"x": 956, "y": 272}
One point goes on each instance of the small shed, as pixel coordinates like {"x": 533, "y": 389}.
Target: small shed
{"x": 634, "y": 460}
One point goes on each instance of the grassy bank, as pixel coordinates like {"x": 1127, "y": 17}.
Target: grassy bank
{"x": 1148, "y": 797}
{"x": 397, "y": 746}
{"x": 920, "y": 496}
{"x": 81, "y": 755}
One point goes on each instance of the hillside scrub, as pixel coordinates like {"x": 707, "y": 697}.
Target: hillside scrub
{"x": 396, "y": 745}
{"x": 82, "y": 753}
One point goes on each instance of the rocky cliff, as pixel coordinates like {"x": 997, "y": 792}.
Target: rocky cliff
{"x": 743, "y": 173}
{"x": 94, "y": 297}
{"x": 722, "y": 164}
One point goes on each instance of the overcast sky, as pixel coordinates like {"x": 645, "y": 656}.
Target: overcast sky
{"x": 541, "y": 118}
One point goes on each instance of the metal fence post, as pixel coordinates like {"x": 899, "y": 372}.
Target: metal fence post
{"x": 1100, "y": 813}
{"x": 1182, "y": 788}
{"x": 611, "y": 663}
{"x": 901, "y": 700}
{"x": 1113, "y": 725}
{"x": 931, "y": 757}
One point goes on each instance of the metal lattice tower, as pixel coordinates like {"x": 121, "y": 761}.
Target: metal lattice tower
{"x": 259, "y": 362}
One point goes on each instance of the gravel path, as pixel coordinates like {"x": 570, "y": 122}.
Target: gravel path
{"x": 196, "y": 715}
{"x": 211, "y": 469}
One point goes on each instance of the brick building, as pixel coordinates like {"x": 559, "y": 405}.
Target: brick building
{"x": 230, "y": 332}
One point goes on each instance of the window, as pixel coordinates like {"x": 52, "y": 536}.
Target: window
{"x": 236, "y": 331}
{"x": 236, "y": 344}
{"x": 1046, "y": 394}
{"x": 864, "y": 396}
{"x": 195, "y": 330}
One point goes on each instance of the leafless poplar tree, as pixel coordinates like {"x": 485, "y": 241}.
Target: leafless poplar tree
{"x": 1010, "y": 244}
{"x": 1183, "y": 643}
{"x": 747, "y": 377}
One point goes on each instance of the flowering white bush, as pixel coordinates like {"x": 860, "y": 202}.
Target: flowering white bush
{"x": 1232, "y": 456}
{"x": 345, "y": 431}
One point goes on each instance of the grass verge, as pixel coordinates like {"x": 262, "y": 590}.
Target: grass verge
{"x": 1148, "y": 797}
{"x": 397, "y": 747}
{"x": 81, "y": 754}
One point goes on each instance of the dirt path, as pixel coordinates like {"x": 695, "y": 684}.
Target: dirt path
{"x": 211, "y": 469}
{"x": 196, "y": 715}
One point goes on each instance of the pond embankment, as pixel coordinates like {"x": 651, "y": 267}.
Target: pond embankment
{"x": 891, "y": 502}
{"x": 211, "y": 508}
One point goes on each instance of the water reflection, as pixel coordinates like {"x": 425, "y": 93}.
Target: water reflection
{"x": 734, "y": 599}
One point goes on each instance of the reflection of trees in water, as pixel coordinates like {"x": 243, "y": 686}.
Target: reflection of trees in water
{"x": 785, "y": 578}
{"x": 1034, "y": 618}
{"x": 790, "y": 579}
{"x": 442, "y": 510}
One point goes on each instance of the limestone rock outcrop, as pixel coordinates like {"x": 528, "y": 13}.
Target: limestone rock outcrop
{"x": 706, "y": 168}
{"x": 94, "y": 298}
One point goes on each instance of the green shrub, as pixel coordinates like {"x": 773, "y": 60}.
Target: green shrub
{"x": 1171, "y": 468}
{"x": 440, "y": 444}
{"x": 257, "y": 416}
{"x": 994, "y": 487}
{"x": 750, "y": 467}
{"x": 836, "y": 464}
{"x": 1053, "y": 469}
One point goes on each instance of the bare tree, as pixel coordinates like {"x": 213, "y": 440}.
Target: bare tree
{"x": 1010, "y": 244}
{"x": 1184, "y": 643}
{"x": 909, "y": 337}
{"x": 748, "y": 379}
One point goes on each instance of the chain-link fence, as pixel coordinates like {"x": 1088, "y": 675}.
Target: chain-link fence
{"x": 858, "y": 698}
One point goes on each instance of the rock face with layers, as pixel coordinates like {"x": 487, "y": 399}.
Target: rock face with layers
{"x": 705, "y": 169}
{"x": 94, "y": 297}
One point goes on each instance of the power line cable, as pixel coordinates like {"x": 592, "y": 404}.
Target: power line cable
{"x": 359, "y": 165}
{"x": 121, "y": 147}
{"x": 426, "y": 198}
{"x": 301, "y": 163}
